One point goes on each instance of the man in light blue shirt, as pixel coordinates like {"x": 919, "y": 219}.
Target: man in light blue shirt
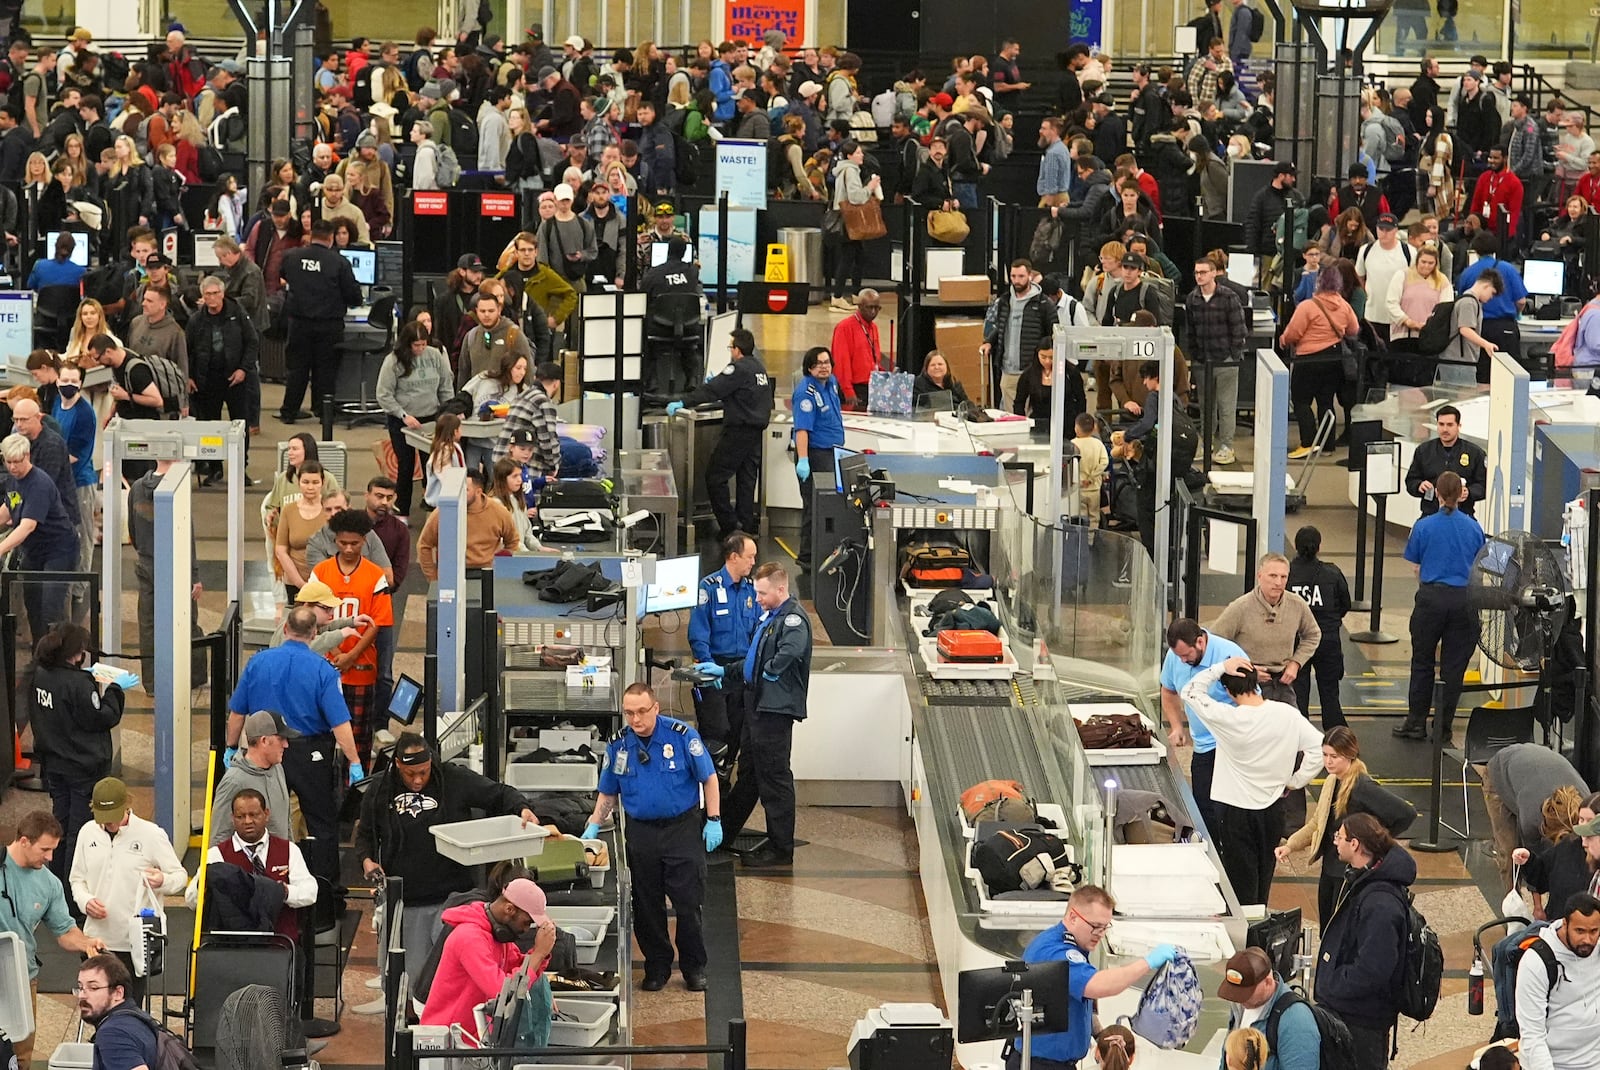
{"x": 1055, "y": 170}
{"x": 1190, "y": 651}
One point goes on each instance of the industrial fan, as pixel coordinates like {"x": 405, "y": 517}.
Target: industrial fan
{"x": 256, "y": 1030}
{"x": 1522, "y": 594}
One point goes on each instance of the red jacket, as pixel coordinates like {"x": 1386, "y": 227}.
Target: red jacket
{"x": 857, "y": 353}
{"x": 1147, "y": 183}
{"x": 472, "y": 969}
{"x": 1588, "y": 188}
{"x": 1496, "y": 190}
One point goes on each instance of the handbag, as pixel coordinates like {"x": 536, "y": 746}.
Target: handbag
{"x": 832, "y": 226}
{"x": 1349, "y": 352}
{"x": 948, "y": 227}
{"x": 863, "y": 222}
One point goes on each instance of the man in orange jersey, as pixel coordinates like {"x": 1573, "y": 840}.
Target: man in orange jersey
{"x": 362, "y": 589}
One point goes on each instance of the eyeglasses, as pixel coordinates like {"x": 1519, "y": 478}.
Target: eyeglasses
{"x": 1095, "y": 929}
{"x": 80, "y": 988}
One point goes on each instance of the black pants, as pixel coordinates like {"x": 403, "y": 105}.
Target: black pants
{"x": 1506, "y": 335}
{"x": 144, "y": 572}
{"x": 847, "y": 264}
{"x": 70, "y": 792}
{"x": 1318, "y": 381}
{"x": 207, "y": 403}
{"x": 405, "y": 459}
{"x": 1245, "y": 840}
{"x": 737, "y": 456}
{"x": 312, "y": 356}
{"x": 1328, "y": 663}
{"x": 667, "y": 859}
{"x": 1444, "y": 632}
{"x": 719, "y": 711}
{"x": 1201, "y": 770}
{"x": 311, "y": 771}
{"x": 764, "y": 774}
{"x": 821, "y": 460}
{"x": 46, "y": 603}
{"x": 1371, "y": 1043}
{"x": 136, "y": 985}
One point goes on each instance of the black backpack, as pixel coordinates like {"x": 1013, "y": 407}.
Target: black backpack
{"x": 361, "y": 92}
{"x": 1439, "y": 330}
{"x": 777, "y": 162}
{"x": 686, "y": 160}
{"x": 1258, "y": 23}
{"x": 1422, "y": 964}
{"x": 105, "y": 284}
{"x": 210, "y": 163}
{"x": 464, "y": 138}
{"x": 1337, "y": 1050}
{"x": 171, "y": 1052}
{"x": 1023, "y": 859}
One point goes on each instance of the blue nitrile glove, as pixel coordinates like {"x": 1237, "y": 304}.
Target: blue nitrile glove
{"x": 357, "y": 774}
{"x": 710, "y": 668}
{"x": 1160, "y": 955}
{"x": 591, "y": 831}
{"x": 227, "y": 756}
{"x": 673, "y": 407}
{"x": 713, "y": 835}
{"x": 802, "y": 468}
{"x": 126, "y": 680}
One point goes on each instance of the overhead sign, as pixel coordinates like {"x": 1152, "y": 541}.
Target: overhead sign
{"x": 747, "y": 20}
{"x": 498, "y": 205}
{"x": 430, "y": 202}
{"x": 742, "y": 172}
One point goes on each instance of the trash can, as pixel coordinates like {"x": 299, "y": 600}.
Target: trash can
{"x": 805, "y": 254}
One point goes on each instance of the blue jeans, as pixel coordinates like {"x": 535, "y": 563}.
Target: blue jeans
{"x": 966, "y": 193}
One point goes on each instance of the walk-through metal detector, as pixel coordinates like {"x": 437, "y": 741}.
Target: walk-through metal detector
{"x": 1267, "y": 501}
{"x": 183, "y": 443}
{"x": 1082, "y": 346}
{"x": 450, "y": 618}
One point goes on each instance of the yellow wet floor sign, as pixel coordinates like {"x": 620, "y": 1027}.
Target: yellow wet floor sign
{"x": 777, "y": 262}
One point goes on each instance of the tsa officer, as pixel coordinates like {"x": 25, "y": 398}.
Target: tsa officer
{"x": 721, "y": 626}
{"x": 658, "y": 767}
{"x": 818, "y": 431}
{"x": 1441, "y": 550}
{"x": 1447, "y": 453}
{"x": 744, "y": 391}
{"x": 778, "y": 671}
{"x": 1072, "y": 940}
{"x": 322, "y": 287}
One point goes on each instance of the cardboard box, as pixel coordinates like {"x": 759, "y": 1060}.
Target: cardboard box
{"x": 958, "y": 339}
{"x": 964, "y": 288}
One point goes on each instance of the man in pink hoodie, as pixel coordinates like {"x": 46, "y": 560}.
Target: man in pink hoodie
{"x": 480, "y": 951}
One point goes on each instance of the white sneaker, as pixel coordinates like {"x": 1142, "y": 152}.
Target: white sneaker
{"x": 375, "y": 1006}
{"x": 839, "y": 304}
{"x": 1224, "y": 455}
{"x": 375, "y": 982}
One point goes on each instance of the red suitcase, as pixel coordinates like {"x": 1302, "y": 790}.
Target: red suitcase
{"x": 970, "y": 645}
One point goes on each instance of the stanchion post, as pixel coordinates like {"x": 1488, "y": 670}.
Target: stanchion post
{"x": 1381, "y": 475}
{"x": 722, "y": 255}
{"x": 1433, "y": 844}
{"x": 1360, "y": 603}
{"x": 738, "y": 1055}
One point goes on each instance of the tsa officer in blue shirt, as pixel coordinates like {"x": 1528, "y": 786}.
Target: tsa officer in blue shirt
{"x": 658, "y": 767}
{"x": 303, "y": 686}
{"x": 720, "y": 629}
{"x": 818, "y": 431}
{"x": 1072, "y": 940}
{"x": 1441, "y": 550}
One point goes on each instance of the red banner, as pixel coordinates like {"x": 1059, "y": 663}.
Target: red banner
{"x": 747, "y": 20}
{"x": 430, "y": 202}
{"x": 498, "y": 205}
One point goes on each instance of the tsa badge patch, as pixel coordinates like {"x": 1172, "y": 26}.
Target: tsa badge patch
{"x": 696, "y": 748}
{"x": 805, "y": 405}
{"x": 792, "y": 620}
{"x": 705, "y": 596}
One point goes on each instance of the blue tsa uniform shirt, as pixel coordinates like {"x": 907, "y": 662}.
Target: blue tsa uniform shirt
{"x": 659, "y": 776}
{"x": 724, "y": 618}
{"x": 1055, "y": 945}
{"x": 817, "y": 412}
{"x": 1175, "y": 673}
{"x": 1443, "y": 547}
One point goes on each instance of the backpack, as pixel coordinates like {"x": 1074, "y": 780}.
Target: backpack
{"x": 1169, "y": 1011}
{"x": 171, "y": 1052}
{"x": 114, "y": 67}
{"x": 361, "y": 92}
{"x": 1337, "y": 1050}
{"x": 1258, "y": 23}
{"x": 1565, "y": 350}
{"x": 1505, "y": 960}
{"x": 1439, "y": 330}
{"x": 1393, "y": 151}
{"x": 1113, "y": 731}
{"x": 209, "y": 162}
{"x": 930, "y": 563}
{"x": 883, "y": 107}
{"x": 170, "y": 380}
{"x": 446, "y": 168}
{"x": 1025, "y": 859}
{"x": 105, "y": 284}
{"x": 686, "y": 160}
{"x": 141, "y": 135}
{"x": 1302, "y": 221}
{"x": 983, "y": 795}
{"x": 463, "y": 135}
{"x": 1166, "y": 296}
{"x": 1422, "y": 965}
{"x": 777, "y": 162}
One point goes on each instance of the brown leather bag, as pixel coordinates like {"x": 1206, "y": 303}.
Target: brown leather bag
{"x": 1114, "y": 731}
{"x": 863, "y": 222}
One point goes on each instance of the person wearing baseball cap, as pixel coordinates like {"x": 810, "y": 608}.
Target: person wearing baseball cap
{"x": 1377, "y": 264}
{"x": 1259, "y": 999}
{"x": 480, "y": 952}
{"x": 257, "y": 762}
{"x": 331, "y": 630}
{"x": 1268, "y": 208}
{"x": 123, "y": 864}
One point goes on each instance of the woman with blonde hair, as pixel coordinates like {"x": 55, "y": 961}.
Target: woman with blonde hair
{"x": 90, "y": 321}
{"x": 130, "y": 192}
{"x": 1245, "y": 1049}
{"x": 35, "y": 181}
{"x": 1416, "y": 291}
{"x": 187, "y": 137}
{"x": 1347, "y": 790}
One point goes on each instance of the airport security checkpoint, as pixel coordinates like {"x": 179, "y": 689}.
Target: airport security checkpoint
{"x": 802, "y": 542}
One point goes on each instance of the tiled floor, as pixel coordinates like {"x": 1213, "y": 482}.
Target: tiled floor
{"x": 845, "y": 929}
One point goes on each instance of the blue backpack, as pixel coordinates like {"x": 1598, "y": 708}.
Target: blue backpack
{"x": 1169, "y": 1011}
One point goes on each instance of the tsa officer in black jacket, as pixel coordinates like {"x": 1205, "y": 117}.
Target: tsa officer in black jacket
{"x": 322, "y": 286}
{"x": 658, "y": 767}
{"x": 1324, "y": 588}
{"x": 1447, "y": 453}
{"x": 744, "y": 391}
{"x": 778, "y": 669}
{"x": 224, "y": 351}
{"x": 72, "y": 719}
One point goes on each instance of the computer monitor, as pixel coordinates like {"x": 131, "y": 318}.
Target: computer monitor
{"x": 80, "y": 246}
{"x": 852, "y": 470}
{"x": 658, "y": 253}
{"x": 205, "y": 250}
{"x": 984, "y": 998}
{"x": 1547, "y": 278}
{"x": 364, "y": 262}
{"x": 677, "y": 581}
{"x": 405, "y": 700}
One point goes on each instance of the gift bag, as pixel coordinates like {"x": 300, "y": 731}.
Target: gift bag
{"x": 890, "y": 392}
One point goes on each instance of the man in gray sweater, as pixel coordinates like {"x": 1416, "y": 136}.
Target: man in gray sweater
{"x": 1275, "y": 627}
{"x": 1516, "y": 783}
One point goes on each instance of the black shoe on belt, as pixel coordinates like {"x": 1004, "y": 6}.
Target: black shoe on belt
{"x": 1410, "y": 731}
{"x": 695, "y": 981}
{"x": 653, "y": 984}
{"x": 766, "y": 857}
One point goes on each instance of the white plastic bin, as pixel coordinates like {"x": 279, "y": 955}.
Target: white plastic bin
{"x": 588, "y": 942}
{"x": 597, "y": 874}
{"x": 594, "y": 1021}
{"x": 596, "y": 919}
{"x": 489, "y": 839}
{"x": 71, "y": 1056}
{"x": 16, "y": 1001}
{"x": 552, "y": 776}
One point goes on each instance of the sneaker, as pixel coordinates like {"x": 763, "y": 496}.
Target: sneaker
{"x": 375, "y": 1006}
{"x": 375, "y": 982}
{"x": 1223, "y": 455}
{"x": 839, "y": 304}
{"x": 1299, "y": 453}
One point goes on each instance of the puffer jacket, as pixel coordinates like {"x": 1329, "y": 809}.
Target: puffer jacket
{"x": 241, "y": 345}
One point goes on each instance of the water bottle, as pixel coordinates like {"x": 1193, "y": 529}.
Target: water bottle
{"x": 1475, "y": 985}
